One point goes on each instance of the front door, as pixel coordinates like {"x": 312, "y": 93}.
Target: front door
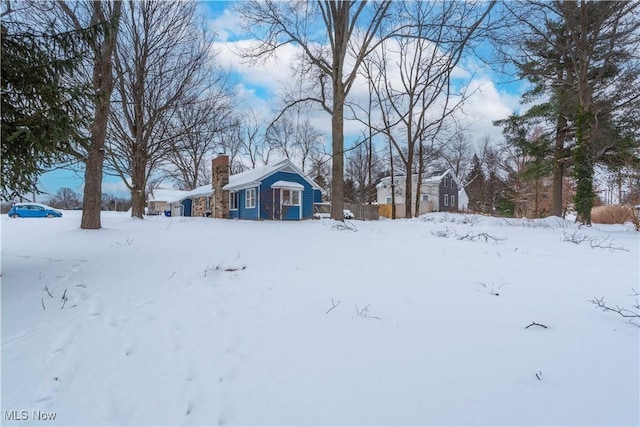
{"x": 277, "y": 207}
{"x": 186, "y": 207}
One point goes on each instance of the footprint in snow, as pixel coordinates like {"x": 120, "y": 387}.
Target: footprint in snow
{"x": 95, "y": 307}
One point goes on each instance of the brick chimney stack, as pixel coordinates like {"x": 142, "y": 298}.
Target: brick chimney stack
{"x": 220, "y": 178}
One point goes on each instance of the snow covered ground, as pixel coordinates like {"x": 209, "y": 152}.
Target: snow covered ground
{"x": 194, "y": 321}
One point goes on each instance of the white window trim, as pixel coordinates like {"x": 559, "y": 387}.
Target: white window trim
{"x": 289, "y": 201}
{"x": 233, "y": 195}
{"x": 250, "y": 195}
{"x": 453, "y": 200}
{"x": 446, "y": 200}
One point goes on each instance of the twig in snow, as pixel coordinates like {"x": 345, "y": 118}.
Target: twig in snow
{"x": 365, "y": 312}
{"x": 129, "y": 241}
{"x": 170, "y": 222}
{"x": 46, "y": 288}
{"x": 539, "y": 375}
{"x": 633, "y": 316}
{"x": 174, "y": 273}
{"x": 334, "y": 305}
{"x": 41, "y": 275}
{"x": 536, "y": 324}
{"x": 443, "y": 233}
{"x": 346, "y": 225}
{"x": 594, "y": 242}
{"x": 64, "y": 299}
{"x": 493, "y": 291}
{"x": 43, "y": 307}
{"x": 600, "y": 244}
{"x": 473, "y": 237}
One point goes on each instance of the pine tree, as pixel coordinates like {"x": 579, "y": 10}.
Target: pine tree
{"x": 583, "y": 57}
{"x": 41, "y": 112}
{"x": 474, "y": 186}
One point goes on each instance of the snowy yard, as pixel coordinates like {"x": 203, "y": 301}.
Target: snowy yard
{"x": 194, "y": 321}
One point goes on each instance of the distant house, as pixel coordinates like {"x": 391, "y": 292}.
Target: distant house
{"x": 463, "y": 200}
{"x": 438, "y": 191}
{"x": 279, "y": 192}
{"x": 196, "y": 202}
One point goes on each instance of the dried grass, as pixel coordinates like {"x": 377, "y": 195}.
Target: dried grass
{"x": 614, "y": 214}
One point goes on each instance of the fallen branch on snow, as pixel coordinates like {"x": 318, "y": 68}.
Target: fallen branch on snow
{"x": 365, "y": 312}
{"x": 632, "y": 315}
{"x": 536, "y": 324}
{"x": 334, "y": 305}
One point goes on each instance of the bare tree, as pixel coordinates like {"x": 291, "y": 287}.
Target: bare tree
{"x": 65, "y": 198}
{"x": 159, "y": 63}
{"x": 457, "y": 154}
{"x": 107, "y": 15}
{"x": 202, "y": 124}
{"x": 233, "y": 144}
{"x": 361, "y": 164}
{"x": 282, "y": 136}
{"x": 307, "y": 142}
{"x": 412, "y": 82}
{"x": 249, "y": 131}
{"x": 349, "y": 29}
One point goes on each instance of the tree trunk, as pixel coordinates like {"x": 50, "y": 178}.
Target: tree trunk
{"x": 583, "y": 168}
{"x": 337, "y": 147}
{"x": 419, "y": 181}
{"x": 393, "y": 185}
{"x": 103, "y": 83}
{"x": 558, "y": 167}
{"x": 92, "y": 197}
{"x": 137, "y": 203}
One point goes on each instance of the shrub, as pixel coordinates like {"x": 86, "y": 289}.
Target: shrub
{"x": 614, "y": 214}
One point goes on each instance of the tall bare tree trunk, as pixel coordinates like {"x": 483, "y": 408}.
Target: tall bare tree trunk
{"x": 421, "y": 167}
{"x": 103, "y": 84}
{"x": 337, "y": 147}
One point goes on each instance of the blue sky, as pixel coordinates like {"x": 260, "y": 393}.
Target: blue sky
{"x": 258, "y": 86}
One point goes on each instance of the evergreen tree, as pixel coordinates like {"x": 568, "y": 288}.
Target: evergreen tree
{"x": 583, "y": 57}
{"x": 475, "y": 185}
{"x": 41, "y": 110}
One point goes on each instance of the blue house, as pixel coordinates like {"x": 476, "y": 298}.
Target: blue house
{"x": 277, "y": 192}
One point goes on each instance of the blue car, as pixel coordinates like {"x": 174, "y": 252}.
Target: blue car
{"x": 33, "y": 210}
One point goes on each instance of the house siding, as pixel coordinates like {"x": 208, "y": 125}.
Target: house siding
{"x": 269, "y": 208}
{"x": 243, "y": 212}
{"x": 450, "y": 190}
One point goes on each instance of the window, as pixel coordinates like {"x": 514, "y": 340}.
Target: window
{"x": 425, "y": 197}
{"x": 250, "y": 198}
{"x": 291, "y": 197}
{"x": 446, "y": 200}
{"x": 388, "y": 200}
{"x": 446, "y": 181}
{"x": 453, "y": 201}
{"x": 233, "y": 201}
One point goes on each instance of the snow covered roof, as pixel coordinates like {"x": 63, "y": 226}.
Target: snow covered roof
{"x": 165, "y": 195}
{"x": 432, "y": 177}
{"x": 287, "y": 184}
{"x": 252, "y": 178}
{"x": 202, "y": 191}
{"x": 173, "y": 196}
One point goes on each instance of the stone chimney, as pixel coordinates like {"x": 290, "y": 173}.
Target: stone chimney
{"x": 220, "y": 178}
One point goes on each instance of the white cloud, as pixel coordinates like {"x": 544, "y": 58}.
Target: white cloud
{"x": 261, "y": 85}
{"x": 117, "y": 188}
